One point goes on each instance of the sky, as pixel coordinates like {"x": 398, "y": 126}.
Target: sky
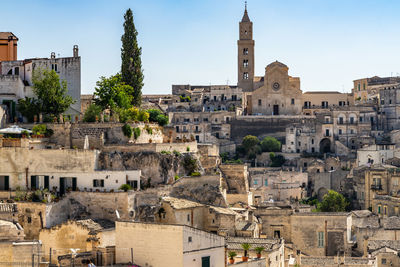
{"x": 327, "y": 43}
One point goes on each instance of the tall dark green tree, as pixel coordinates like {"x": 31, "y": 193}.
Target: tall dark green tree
{"x": 131, "y": 66}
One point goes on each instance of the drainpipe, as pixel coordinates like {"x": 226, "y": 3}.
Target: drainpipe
{"x": 26, "y": 178}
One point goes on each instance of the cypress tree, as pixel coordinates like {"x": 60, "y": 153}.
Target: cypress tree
{"x": 131, "y": 66}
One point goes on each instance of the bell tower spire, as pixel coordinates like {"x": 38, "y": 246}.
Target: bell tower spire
{"x": 245, "y": 53}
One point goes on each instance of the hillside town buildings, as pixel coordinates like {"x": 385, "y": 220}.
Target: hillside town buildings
{"x": 186, "y": 194}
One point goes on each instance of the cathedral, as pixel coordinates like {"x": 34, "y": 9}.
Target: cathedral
{"x": 275, "y": 93}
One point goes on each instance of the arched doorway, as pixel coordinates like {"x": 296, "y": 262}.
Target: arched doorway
{"x": 325, "y": 145}
{"x": 321, "y": 193}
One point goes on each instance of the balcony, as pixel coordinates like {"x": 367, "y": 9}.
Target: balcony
{"x": 376, "y": 187}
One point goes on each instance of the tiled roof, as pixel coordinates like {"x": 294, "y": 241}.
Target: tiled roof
{"x": 5, "y": 35}
{"x": 391, "y": 223}
{"x": 245, "y": 226}
{"x": 97, "y": 225}
{"x": 374, "y": 245}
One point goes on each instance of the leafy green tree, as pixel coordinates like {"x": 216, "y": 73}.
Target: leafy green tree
{"x": 276, "y": 160}
{"x": 249, "y": 142}
{"x": 91, "y": 113}
{"x": 131, "y": 66}
{"x": 270, "y": 144}
{"x": 143, "y": 116}
{"x": 333, "y": 202}
{"x": 162, "y": 119}
{"x": 153, "y": 114}
{"x": 28, "y": 107}
{"x": 112, "y": 93}
{"x": 52, "y": 98}
{"x": 127, "y": 130}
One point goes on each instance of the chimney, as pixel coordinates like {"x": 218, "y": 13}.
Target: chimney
{"x": 75, "y": 51}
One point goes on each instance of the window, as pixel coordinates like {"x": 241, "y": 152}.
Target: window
{"x": 341, "y": 120}
{"x": 363, "y": 86}
{"x": 351, "y": 120}
{"x": 245, "y": 63}
{"x": 245, "y": 51}
{"x": 177, "y": 129}
{"x": 307, "y": 104}
{"x": 342, "y": 103}
{"x": 383, "y": 261}
{"x": 246, "y": 76}
{"x": 340, "y": 131}
{"x": 189, "y": 239}
{"x": 98, "y": 182}
{"x": 16, "y": 71}
{"x": 255, "y": 182}
{"x": 379, "y": 209}
{"x": 292, "y": 101}
{"x": 324, "y": 104}
{"x": 327, "y": 119}
{"x": 29, "y": 219}
{"x": 358, "y": 87}
{"x": 385, "y": 210}
{"x": 312, "y": 141}
{"x": 321, "y": 239}
{"x": 188, "y": 217}
{"x": 259, "y": 102}
{"x": 266, "y": 182}
{"x": 326, "y": 132}
{"x": 54, "y": 67}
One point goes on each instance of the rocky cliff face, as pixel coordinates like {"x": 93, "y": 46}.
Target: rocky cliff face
{"x": 159, "y": 168}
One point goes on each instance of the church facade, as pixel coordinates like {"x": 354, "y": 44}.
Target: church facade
{"x": 275, "y": 93}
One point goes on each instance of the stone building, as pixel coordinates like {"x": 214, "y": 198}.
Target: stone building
{"x": 85, "y": 235}
{"x": 375, "y": 154}
{"x": 217, "y": 220}
{"x": 270, "y": 184}
{"x": 181, "y": 245}
{"x": 274, "y": 249}
{"x": 390, "y": 104}
{"x": 318, "y": 101}
{"x": 367, "y": 90}
{"x": 78, "y": 170}
{"x": 8, "y": 46}
{"x": 16, "y": 80}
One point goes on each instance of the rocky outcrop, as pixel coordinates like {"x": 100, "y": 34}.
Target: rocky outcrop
{"x": 204, "y": 190}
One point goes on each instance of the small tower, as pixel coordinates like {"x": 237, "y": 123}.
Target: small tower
{"x": 76, "y": 51}
{"x": 245, "y": 53}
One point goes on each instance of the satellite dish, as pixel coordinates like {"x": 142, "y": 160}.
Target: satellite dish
{"x": 117, "y": 213}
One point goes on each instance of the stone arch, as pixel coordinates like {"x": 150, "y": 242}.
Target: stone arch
{"x": 325, "y": 145}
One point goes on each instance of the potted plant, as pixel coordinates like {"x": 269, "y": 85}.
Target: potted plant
{"x": 246, "y": 247}
{"x": 231, "y": 255}
{"x": 259, "y": 250}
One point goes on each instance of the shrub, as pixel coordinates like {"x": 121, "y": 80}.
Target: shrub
{"x": 162, "y": 120}
{"x": 246, "y": 247}
{"x": 153, "y": 113}
{"x": 276, "y": 161}
{"x": 91, "y": 113}
{"x": 270, "y": 144}
{"x": 232, "y": 254}
{"x": 125, "y": 187}
{"x": 165, "y": 152}
{"x": 176, "y": 177}
{"x": 259, "y": 249}
{"x": 190, "y": 164}
{"x": 143, "y": 116}
{"x": 136, "y": 132}
{"x": 127, "y": 130}
{"x": 195, "y": 174}
{"x": 39, "y": 129}
{"x": 176, "y": 153}
{"x": 148, "y": 129}
{"x": 187, "y": 149}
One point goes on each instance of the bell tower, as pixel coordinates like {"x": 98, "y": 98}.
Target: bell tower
{"x": 245, "y": 53}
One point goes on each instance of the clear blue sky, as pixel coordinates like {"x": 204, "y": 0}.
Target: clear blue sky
{"x": 327, "y": 43}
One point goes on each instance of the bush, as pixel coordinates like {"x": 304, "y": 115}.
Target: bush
{"x": 136, "y": 132}
{"x": 176, "y": 153}
{"x": 333, "y": 202}
{"x": 125, "y": 187}
{"x": 165, "y": 152}
{"x": 127, "y": 130}
{"x": 39, "y": 129}
{"x": 187, "y": 149}
{"x": 153, "y": 113}
{"x": 276, "y": 161}
{"x": 162, "y": 120}
{"x": 143, "y": 116}
{"x": 195, "y": 174}
{"x": 148, "y": 129}
{"x": 92, "y": 112}
{"x": 190, "y": 164}
{"x": 270, "y": 144}
{"x": 176, "y": 177}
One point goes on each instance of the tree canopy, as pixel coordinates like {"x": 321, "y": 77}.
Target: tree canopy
{"x": 131, "y": 65}
{"x": 270, "y": 144}
{"x": 333, "y": 202}
{"x": 112, "y": 93}
{"x": 51, "y": 95}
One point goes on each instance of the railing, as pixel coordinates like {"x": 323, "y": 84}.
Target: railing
{"x": 376, "y": 187}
